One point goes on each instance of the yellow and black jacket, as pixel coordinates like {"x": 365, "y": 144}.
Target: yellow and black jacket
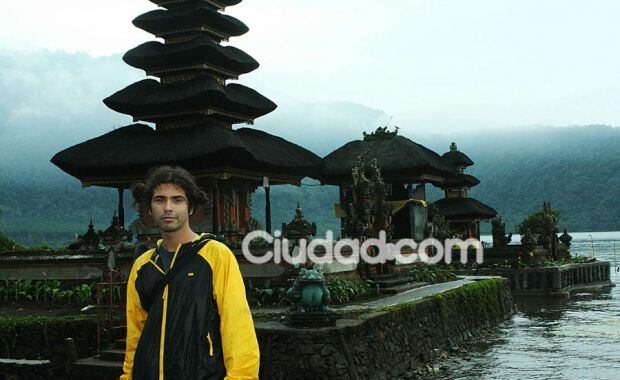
{"x": 198, "y": 326}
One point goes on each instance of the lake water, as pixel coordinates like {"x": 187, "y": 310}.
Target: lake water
{"x": 578, "y": 338}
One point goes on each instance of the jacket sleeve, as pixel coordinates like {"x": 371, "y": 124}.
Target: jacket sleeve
{"x": 239, "y": 343}
{"x": 136, "y": 317}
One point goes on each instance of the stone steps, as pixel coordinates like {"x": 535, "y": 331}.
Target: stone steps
{"x": 25, "y": 369}
{"x": 113, "y": 355}
{"x": 96, "y": 369}
{"x": 120, "y": 344}
{"x": 107, "y": 365}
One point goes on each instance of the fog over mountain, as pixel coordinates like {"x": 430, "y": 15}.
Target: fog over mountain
{"x": 50, "y": 101}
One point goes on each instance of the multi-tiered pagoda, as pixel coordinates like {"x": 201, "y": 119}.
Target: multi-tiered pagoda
{"x": 193, "y": 107}
{"x": 462, "y": 212}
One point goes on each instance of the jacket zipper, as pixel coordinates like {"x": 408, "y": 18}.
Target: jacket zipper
{"x": 163, "y": 322}
{"x": 210, "y": 344}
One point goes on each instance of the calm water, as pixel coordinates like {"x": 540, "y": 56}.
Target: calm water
{"x": 577, "y": 338}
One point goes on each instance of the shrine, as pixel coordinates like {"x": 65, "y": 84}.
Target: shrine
{"x": 406, "y": 168}
{"x": 193, "y": 108}
{"x": 462, "y": 213}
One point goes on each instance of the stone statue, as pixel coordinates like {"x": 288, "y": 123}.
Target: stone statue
{"x": 566, "y": 239}
{"x": 439, "y": 227}
{"x": 365, "y": 208}
{"x": 528, "y": 240}
{"x": 366, "y": 211}
{"x": 498, "y": 230}
{"x": 549, "y": 238}
{"x": 308, "y": 292}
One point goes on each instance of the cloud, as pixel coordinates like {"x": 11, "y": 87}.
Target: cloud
{"x": 435, "y": 65}
{"x": 40, "y": 88}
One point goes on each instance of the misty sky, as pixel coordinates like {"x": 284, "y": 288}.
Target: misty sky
{"x": 433, "y": 64}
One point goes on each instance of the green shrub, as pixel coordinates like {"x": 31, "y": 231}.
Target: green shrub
{"x": 342, "y": 291}
{"x": 265, "y": 294}
{"x": 432, "y": 273}
{"x": 8, "y": 244}
{"x": 537, "y": 226}
{"x": 51, "y": 291}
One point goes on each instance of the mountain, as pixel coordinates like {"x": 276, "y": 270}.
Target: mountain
{"x": 50, "y": 101}
{"x": 576, "y": 168}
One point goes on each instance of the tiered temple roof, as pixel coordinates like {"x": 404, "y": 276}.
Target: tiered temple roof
{"x": 464, "y": 209}
{"x": 192, "y": 105}
{"x": 125, "y": 154}
{"x": 400, "y": 159}
{"x": 460, "y": 181}
{"x": 200, "y": 97}
{"x": 183, "y": 22}
{"x": 217, "y": 4}
{"x": 200, "y": 53}
{"x": 193, "y": 69}
{"x": 457, "y": 158}
{"x": 402, "y": 164}
{"x": 457, "y": 206}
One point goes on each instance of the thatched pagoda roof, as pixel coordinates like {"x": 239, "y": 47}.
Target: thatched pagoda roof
{"x": 399, "y": 158}
{"x": 456, "y": 157}
{"x": 188, "y": 21}
{"x": 459, "y": 181}
{"x": 463, "y": 209}
{"x": 149, "y": 100}
{"x": 124, "y": 155}
{"x": 154, "y": 57}
{"x": 218, "y": 4}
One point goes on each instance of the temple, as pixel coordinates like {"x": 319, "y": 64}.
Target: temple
{"x": 191, "y": 99}
{"x": 193, "y": 107}
{"x": 406, "y": 168}
{"x": 462, "y": 212}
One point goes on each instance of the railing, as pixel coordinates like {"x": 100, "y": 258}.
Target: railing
{"x": 559, "y": 279}
{"x": 111, "y": 308}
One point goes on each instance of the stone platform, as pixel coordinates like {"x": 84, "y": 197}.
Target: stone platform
{"x": 385, "y": 338}
{"x": 380, "y": 339}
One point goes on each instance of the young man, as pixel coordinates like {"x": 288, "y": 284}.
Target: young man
{"x": 187, "y": 313}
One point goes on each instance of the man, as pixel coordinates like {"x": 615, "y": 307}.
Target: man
{"x": 187, "y": 313}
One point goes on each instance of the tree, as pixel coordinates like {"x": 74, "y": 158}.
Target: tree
{"x": 538, "y": 226}
{"x": 6, "y": 243}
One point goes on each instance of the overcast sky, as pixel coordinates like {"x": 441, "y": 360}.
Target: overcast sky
{"x": 442, "y": 65}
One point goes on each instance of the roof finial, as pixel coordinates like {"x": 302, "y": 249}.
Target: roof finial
{"x": 453, "y": 147}
{"x": 381, "y": 132}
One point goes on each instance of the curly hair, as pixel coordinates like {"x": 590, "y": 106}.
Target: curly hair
{"x": 143, "y": 192}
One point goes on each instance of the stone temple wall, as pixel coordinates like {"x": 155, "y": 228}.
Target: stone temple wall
{"x": 384, "y": 344}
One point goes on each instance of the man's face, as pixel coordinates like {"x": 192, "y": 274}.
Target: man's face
{"x": 169, "y": 207}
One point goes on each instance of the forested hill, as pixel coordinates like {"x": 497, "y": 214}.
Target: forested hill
{"x": 577, "y": 169}
{"x": 49, "y": 101}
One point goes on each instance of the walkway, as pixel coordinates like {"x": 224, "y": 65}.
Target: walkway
{"x": 404, "y": 297}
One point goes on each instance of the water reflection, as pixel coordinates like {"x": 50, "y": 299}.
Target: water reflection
{"x": 552, "y": 338}
{"x": 550, "y": 308}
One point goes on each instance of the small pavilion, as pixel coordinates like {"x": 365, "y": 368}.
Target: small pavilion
{"x": 462, "y": 212}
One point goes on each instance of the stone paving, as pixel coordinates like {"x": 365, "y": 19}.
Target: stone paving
{"x": 404, "y": 297}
